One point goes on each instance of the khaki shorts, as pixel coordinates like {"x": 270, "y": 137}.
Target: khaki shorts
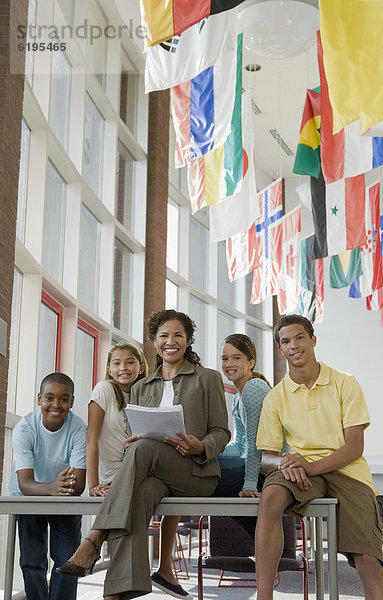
{"x": 359, "y": 527}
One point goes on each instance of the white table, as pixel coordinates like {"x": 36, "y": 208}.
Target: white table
{"x": 53, "y": 505}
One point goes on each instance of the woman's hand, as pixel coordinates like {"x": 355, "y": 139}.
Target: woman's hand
{"x": 99, "y": 490}
{"x": 186, "y": 445}
{"x": 130, "y": 440}
{"x": 249, "y": 494}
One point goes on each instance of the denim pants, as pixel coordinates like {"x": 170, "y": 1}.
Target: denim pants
{"x": 64, "y": 538}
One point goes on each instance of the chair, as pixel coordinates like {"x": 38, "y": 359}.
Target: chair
{"x": 190, "y": 524}
{"x": 232, "y": 549}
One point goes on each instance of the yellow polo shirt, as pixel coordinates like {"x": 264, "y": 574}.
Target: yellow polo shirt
{"x": 314, "y": 419}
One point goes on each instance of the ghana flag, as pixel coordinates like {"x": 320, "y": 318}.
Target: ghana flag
{"x": 307, "y": 159}
{"x": 164, "y": 19}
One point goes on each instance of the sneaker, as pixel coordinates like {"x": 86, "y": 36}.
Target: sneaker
{"x": 174, "y": 590}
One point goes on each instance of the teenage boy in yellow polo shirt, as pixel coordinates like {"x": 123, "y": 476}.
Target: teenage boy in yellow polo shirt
{"x": 324, "y": 414}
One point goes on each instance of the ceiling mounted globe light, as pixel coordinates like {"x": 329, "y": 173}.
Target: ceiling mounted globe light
{"x": 278, "y": 29}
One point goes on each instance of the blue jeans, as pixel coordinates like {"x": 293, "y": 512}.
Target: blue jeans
{"x": 65, "y": 536}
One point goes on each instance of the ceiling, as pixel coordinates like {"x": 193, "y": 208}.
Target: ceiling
{"x": 278, "y": 92}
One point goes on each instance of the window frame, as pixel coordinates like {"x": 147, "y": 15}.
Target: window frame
{"x": 95, "y": 334}
{"x": 57, "y": 308}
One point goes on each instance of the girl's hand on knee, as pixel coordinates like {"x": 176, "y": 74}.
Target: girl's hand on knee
{"x": 249, "y": 494}
{"x": 99, "y": 490}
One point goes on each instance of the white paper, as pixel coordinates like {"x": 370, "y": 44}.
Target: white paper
{"x": 156, "y": 423}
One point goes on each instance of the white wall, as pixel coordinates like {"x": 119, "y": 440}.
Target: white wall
{"x": 350, "y": 338}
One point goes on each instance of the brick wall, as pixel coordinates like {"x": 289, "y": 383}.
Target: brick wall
{"x": 12, "y": 13}
{"x": 156, "y": 210}
{"x": 279, "y": 359}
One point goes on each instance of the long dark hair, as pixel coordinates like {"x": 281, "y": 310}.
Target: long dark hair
{"x": 139, "y": 355}
{"x": 155, "y": 321}
{"x": 245, "y": 344}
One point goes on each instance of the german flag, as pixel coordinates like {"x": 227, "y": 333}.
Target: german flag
{"x": 307, "y": 158}
{"x": 164, "y": 19}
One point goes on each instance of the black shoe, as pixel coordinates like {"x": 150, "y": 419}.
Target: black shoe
{"x": 174, "y": 590}
{"x": 69, "y": 568}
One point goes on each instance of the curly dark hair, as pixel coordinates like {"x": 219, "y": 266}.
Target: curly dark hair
{"x": 155, "y": 321}
{"x": 293, "y": 320}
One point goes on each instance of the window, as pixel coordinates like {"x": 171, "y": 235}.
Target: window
{"x": 49, "y": 341}
{"x": 89, "y": 270}
{"x": 125, "y": 187}
{"x": 85, "y": 377}
{"x": 93, "y": 146}
{"x": 15, "y": 340}
{"x": 23, "y": 180}
{"x": 199, "y": 253}
{"x": 128, "y": 93}
{"x": 172, "y": 236}
{"x": 256, "y": 335}
{"x": 98, "y": 46}
{"x": 121, "y": 287}
{"x": 198, "y": 312}
{"x": 60, "y": 97}
{"x": 67, "y": 7}
{"x": 54, "y": 218}
{"x": 171, "y": 295}
{"x": 30, "y": 56}
{"x": 225, "y": 326}
{"x": 226, "y": 288}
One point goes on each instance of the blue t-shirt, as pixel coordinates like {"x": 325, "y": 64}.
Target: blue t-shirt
{"x": 47, "y": 452}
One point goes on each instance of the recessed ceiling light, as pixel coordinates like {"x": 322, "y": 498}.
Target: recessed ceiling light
{"x": 253, "y": 67}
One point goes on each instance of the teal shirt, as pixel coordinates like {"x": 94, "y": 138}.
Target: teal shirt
{"x": 246, "y": 414}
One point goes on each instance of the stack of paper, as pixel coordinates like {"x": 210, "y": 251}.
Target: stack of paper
{"x": 156, "y": 423}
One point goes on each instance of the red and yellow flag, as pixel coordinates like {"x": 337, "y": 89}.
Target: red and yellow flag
{"x": 164, "y": 19}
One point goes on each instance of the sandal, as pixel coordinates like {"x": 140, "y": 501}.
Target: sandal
{"x": 69, "y": 568}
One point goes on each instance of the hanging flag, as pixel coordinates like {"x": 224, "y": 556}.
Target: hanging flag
{"x": 205, "y": 179}
{"x": 338, "y": 215}
{"x": 353, "y": 49}
{"x": 375, "y": 302}
{"x": 372, "y": 278}
{"x": 238, "y": 212}
{"x": 311, "y": 298}
{"x": 241, "y": 254}
{"x": 346, "y": 153}
{"x": 285, "y": 259}
{"x": 270, "y": 202}
{"x": 304, "y": 194}
{"x": 183, "y": 57}
{"x": 219, "y": 173}
{"x": 202, "y": 109}
{"x": 307, "y": 158}
{"x": 345, "y": 268}
{"x": 163, "y": 20}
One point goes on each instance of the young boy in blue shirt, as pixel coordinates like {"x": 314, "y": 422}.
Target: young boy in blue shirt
{"x": 49, "y": 460}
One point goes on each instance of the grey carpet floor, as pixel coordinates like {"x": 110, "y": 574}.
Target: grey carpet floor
{"x": 290, "y": 587}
